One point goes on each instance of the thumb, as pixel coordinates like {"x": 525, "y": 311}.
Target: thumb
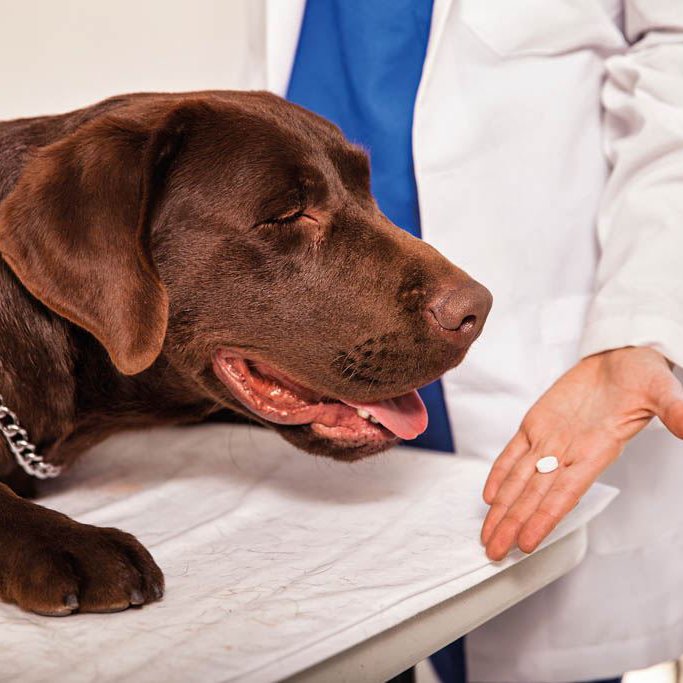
{"x": 669, "y": 407}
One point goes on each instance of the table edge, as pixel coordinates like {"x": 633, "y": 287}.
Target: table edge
{"x": 398, "y": 648}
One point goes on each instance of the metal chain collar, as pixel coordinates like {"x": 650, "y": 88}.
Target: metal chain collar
{"x": 23, "y": 450}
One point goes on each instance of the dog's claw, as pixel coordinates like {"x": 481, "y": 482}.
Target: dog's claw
{"x": 137, "y": 598}
{"x": 71, "y": 601}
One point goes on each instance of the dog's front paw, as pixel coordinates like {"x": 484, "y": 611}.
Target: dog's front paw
{"x": 62, "y": 567}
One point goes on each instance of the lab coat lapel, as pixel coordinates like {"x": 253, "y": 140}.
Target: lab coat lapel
{"x": 439, "y": 13}
{"x": 282, "y": 25}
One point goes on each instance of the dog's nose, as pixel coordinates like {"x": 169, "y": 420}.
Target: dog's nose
{"x": 461, "y": 312}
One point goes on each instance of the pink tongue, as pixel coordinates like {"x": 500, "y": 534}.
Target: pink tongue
{"x": 405, "y": 416}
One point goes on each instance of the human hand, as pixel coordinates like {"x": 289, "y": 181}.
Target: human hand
{"x": 585, "y": 419}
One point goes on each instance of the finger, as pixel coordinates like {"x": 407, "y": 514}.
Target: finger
{"x": 508, "y": 492}
{"x": 566, "y": 492}
{"x": 516, "y": 448}
{"x": 506, "y": 534}
{"x": 669, "y": 408}
{"x": 494, "y": 516}
{"x": 518, "y": 496}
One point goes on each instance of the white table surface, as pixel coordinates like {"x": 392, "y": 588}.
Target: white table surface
{"x": 280, "y": 564}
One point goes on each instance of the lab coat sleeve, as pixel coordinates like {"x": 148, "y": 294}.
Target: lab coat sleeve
{"x": 638, "y": 297}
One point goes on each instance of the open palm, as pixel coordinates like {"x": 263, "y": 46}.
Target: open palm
{"x": 585, "y": 419}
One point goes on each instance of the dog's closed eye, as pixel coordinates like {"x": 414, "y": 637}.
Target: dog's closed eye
{"x": 288, "y": 219}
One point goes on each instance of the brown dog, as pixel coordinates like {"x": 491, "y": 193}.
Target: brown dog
{"x": 166, "y": 256}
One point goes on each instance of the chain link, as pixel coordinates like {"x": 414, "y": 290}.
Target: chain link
{"x": 23, "y": 450}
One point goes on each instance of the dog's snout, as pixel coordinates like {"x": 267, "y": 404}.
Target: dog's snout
{"x": 461, "y": 312}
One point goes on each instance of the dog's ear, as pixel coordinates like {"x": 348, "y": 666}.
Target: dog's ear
{"x": 75, "y": 229}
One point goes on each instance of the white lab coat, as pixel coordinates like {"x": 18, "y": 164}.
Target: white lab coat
{"x": 548, "y": 145}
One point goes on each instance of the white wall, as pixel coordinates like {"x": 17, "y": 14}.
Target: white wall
{"x": 57, "y": 55}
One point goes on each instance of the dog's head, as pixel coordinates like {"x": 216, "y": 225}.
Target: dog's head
{"x": 236, "y": 234}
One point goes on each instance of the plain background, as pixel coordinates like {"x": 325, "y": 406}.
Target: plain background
{"x": 61, "y": 55}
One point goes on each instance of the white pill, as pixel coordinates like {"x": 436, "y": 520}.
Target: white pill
{"x": 547, "y": 464}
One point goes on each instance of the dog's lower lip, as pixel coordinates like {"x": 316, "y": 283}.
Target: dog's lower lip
{"x": 375, "y": 433}
{"x": 276, "y": 398}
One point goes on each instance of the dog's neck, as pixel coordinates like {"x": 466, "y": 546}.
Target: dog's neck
{"x": 36, "y": 365}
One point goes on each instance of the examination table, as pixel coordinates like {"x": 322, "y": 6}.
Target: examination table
{"x": 281, "y": 565}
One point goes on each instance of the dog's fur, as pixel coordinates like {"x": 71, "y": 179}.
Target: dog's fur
{"x": 138, "y": 235}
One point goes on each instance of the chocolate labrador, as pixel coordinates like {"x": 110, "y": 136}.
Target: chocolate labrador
{"x": 167, "y": 256}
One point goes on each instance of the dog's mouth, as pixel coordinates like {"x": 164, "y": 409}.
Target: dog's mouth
{"x": 276, "y": 398}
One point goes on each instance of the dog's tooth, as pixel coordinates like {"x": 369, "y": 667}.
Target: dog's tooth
{"x": 363, "y": 413}
{"x": 374, "y": 420}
